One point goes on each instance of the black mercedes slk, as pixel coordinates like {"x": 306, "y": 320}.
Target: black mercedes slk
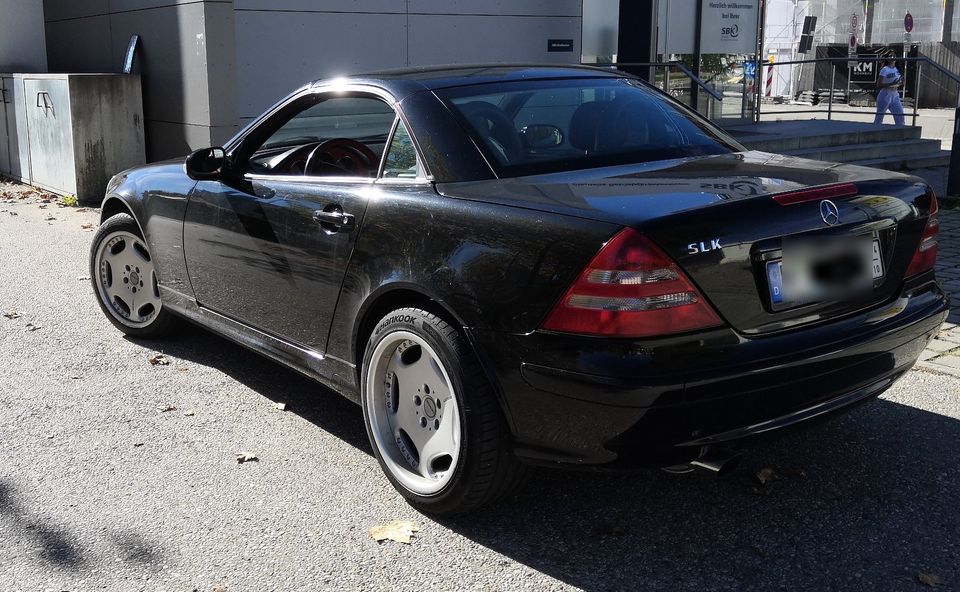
{"x": 513, "y": 265}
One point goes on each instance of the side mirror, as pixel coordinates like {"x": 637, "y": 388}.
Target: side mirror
{"x": 541, "y": 136}
{"x": 206, "y": 164}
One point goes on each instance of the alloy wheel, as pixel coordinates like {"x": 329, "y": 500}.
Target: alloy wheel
{"x": 127, "y": 280}
{"x": 413, "y": 412}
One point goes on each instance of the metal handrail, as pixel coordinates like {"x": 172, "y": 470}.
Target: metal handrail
{"x": 678, "y": 65}
{"x": 919, "y": 60}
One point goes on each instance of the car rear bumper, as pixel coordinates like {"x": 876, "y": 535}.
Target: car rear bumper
{"x": 602, "y": 402}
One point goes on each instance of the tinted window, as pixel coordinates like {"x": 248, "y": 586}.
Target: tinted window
{"x": 340, "y": 136}
{"x": 401, "y": 161}
{"x": 600, "y": 123}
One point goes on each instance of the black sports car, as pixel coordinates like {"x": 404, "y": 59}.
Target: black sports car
{"x": 517, "y": 265}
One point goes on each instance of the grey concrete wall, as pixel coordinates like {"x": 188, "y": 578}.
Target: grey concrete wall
{"x": 283, "y": 43}
{"x": 22, "y": 39}
{"x": 186, "y": 60}
{"x": 208, "y": 65}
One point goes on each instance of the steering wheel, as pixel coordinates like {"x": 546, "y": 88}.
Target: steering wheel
{"x": 340, "y": 154}
{"x": 291, "y": 160}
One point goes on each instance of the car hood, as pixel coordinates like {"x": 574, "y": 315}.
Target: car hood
{"x": 633, "y": 194}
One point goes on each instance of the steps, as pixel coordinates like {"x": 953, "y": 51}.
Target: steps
{"x": 866, "y": 144}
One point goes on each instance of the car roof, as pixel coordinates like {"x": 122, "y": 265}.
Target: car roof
{"x": 403, "y": 81}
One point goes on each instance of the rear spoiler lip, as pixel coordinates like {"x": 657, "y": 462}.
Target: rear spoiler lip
{"x": 816, "y": 193}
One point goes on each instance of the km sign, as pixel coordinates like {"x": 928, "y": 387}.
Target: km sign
{"x": 864, "y": 72}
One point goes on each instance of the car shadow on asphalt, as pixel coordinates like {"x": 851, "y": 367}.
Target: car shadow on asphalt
{"x": 307, "y": 398}
{"x": 866, "y": 500}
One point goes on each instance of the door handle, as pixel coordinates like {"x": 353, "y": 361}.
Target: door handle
{"x": 332, "y": 219}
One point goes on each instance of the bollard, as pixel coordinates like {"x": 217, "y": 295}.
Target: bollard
{"x": 953, "y": 176}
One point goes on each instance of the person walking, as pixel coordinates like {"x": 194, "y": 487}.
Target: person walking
{"x": 888, "y": 98}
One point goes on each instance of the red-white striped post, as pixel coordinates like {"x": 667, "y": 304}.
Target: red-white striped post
{"x": 769, "y": 91}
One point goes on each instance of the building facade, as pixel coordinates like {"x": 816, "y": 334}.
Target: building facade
{"x": 209, "y": 66}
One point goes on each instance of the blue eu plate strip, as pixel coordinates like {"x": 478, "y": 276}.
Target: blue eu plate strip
{"x": 775, "y": 279}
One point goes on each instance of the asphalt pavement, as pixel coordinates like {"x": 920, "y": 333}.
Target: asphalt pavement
{"x": 118, "y": 474}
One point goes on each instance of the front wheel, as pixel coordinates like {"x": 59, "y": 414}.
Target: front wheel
{"x": 125, "y": 280}
{"x": 432, "y": 417}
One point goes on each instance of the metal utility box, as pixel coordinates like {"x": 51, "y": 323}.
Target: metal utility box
{"x": 73, "y": 131}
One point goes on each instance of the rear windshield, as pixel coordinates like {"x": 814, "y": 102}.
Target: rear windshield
{"x": 535, "y": 127}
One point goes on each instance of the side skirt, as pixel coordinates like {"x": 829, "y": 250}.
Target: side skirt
{"x": 329, "y": 371}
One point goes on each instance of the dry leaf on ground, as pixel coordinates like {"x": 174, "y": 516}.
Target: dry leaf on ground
{"x": 12, "y": 315}
{"x": 929, "y": 579}
{"x": 32, "y": 327}
{"x": 398, "y": 530}
{"x": 159, "y": 360}
{"x": 14, "y": 214}
{"x": 767, "y": 475}
{"x": 87, "y": 226}
{"x": 245, "y": 457}
{"x": 137, "y": 444}
{"x": 168, "y": 408}
{"x": 83, "y": 278}
{"x": 189, "y": 413}
{"x": 219, "y": 588}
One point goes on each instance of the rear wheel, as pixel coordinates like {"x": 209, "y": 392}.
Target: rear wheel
{"x": 432, "y": 417}
{"x": 125, "y": 280}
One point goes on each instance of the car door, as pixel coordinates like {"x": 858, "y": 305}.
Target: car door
{"x": 268, "y": 245}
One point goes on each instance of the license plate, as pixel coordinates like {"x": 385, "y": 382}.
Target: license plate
{"x": 779, "y": 299}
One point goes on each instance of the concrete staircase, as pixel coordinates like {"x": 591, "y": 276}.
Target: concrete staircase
{"x": 866, "y": 144}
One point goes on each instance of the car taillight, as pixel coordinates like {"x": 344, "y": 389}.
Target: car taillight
{"x": 631, "y": 288}
{"x": 926, "y": 253}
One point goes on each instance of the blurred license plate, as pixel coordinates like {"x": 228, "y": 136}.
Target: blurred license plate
{"x": 775, "y": 276}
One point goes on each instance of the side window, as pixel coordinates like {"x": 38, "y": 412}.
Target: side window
{"x": 337, "y": 136}
{"x": 401, "y": 161}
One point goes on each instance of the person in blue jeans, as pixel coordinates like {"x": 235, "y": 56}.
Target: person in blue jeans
{"x": 888, "y": 98}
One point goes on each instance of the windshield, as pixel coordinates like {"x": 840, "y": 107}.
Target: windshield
{"x": 535, "y": 127}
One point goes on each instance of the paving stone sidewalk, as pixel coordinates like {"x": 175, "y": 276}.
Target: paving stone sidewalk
{"x": 943, "y": 354}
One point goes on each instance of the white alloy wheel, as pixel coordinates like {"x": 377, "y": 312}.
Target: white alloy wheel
{"x": 413, "y": 413}
{"x": 126, "y": 279}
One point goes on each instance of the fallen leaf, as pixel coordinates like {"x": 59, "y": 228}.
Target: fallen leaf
{"x": 83, "y": 278}
{"x": 793, "y": 473}
{"x": 246, "y": 457}
{"x": 929, "y": 579}
{"x": 189, "y": 413}
{"x": 83, "y": 209}
{"x": 87, "y": 226}
{"x": 398, "y": 530}
{"x": 12, "y": 315}
{"x": 13, "y": 214}
{"x": 32, "y": 327}
{"x": 48, "y": 218}
{"x": 280, "y": 406}
{"x": 219, "y": 588}
{"x": 182, "y": 369}
{"x": 159, "y": 360}
{"x": 767, "y": 475}
{"x": 137, "y": 444}
{"x": 167, "y": 409}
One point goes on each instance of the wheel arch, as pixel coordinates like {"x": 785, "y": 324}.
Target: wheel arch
{"x": 113, "y": 205}
{"x": 404, "y": 295}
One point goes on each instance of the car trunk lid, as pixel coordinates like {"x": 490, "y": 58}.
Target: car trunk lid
{"x": 726, "y": 219}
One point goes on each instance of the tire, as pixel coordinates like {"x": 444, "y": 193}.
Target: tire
{"x": 124, "y": 280}
{"x": 420, "y": 378}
